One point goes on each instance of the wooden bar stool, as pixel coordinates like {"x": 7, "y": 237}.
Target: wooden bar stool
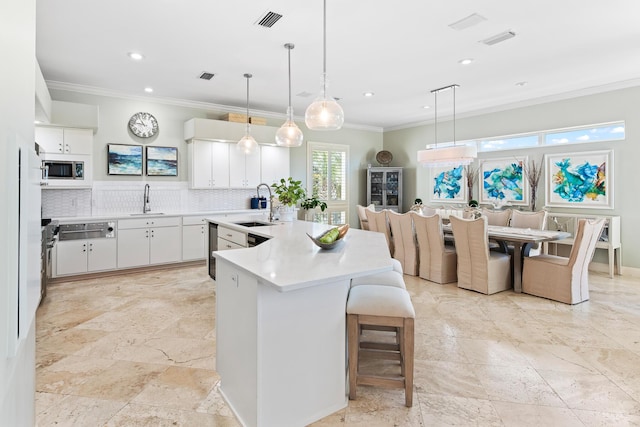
{"x": 385, "y": 307}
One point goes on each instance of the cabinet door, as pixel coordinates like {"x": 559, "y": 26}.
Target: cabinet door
{"x": 244, "y": 170}
{"x": 133, "y": 247}
{"x": 274, "y": 163}
{"x": 220, "y": 164}
{"x": 71, "y": 257}
{"x": 50, "y": 139}
{"x": 78, "y": 141}
{"x": 165, "y": 245}
{"x": 200, "y": 164}
{"x": 101, "y": 255}
{"x": 193, "y": 242}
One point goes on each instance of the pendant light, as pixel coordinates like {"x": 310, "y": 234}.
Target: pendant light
{"x": 289, "y": 134}
{"x": 247, "y": 144}
{"x": 453, "y": 155}
{"x": 324, "y": 113}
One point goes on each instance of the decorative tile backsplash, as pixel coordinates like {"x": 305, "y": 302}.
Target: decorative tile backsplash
{"x": 124, "y": 197}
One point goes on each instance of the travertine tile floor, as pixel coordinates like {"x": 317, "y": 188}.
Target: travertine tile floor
{"x": 139, "y": 350}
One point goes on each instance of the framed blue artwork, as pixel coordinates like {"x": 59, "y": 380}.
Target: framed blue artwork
{"x": 502, "y": 181}
{"x": 449, "y": 184}
{"x": 124, "y": 159}
{"x": 580, "y": 180}
{"x": 162, "y": 161}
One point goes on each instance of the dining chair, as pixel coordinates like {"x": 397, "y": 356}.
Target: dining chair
{"x": 500, "y": 218}
{"x": 405, "y": 248}
{"x": 378, "y": 222}
{"x": 364, "y": 224}
{"x": 564, "y": 279}
{"x": 436, "y": 262}
{"x": 427, "y": 211}
{"x": 533, "y": 220}
{"x": 479, "y": 269}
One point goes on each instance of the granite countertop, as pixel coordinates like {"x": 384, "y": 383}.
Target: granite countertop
{"x": 289, "y": 260}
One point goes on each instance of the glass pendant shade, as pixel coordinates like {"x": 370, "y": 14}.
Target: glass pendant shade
{"x": 247, "y": 143}
{"x": 324, "y": 113}
{"x": 289, "y": 134}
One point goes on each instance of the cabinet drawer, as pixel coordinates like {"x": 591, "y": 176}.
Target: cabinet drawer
{"x": 234, "y": 236}
{"x": 224, "y": 245}
{"x": 194, "y": 220}
{"x": 125, "y": 224}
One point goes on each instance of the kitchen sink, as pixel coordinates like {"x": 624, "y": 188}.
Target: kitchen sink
{"x": 147, "y": 214}
{"x": 254, "y": 224}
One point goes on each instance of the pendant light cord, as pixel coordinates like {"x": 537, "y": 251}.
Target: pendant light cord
{"x": 436, "y": 119}
{"x": 248, "y": 76}
{"x": 324, "y": 50}
{"x": 454, "y": 114}
{"x": 289, "y": 46}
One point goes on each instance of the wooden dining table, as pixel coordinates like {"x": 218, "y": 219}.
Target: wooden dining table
{"x": 520, "y": 238}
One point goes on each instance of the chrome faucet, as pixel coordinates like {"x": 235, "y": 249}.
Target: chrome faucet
{"x": 270, "y": 199}
{"x": 146, "y": 207}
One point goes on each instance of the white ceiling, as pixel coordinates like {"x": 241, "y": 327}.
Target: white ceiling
{"x": 398, "y": 50}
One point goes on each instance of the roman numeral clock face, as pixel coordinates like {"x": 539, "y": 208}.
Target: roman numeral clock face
{"x": 143, "y": 125}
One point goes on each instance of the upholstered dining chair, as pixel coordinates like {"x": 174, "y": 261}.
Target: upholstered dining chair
{"x": 378, "y": 222}
{"x": 564, "y": 279}
{"x": 405, "y": 248}
{"x": 437, "y": 262}
{"x": 364, "y": 224}
{"x": 479, "y": 269}
{"x": 500, "y": 218}
{"x": 533, "y": 220}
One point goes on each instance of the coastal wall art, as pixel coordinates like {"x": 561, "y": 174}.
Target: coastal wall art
{"x": 124, "y": 159}
{"x": 502, "y": 182}
{"x": 162, "y": 161}
{"x": 449, "y": 184}
{"x": 580, "y": 180}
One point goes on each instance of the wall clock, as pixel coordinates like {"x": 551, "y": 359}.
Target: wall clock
{"x": 143, "y": 125}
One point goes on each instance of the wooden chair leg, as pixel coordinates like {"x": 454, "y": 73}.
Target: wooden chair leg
{"x": 353, "y": 341}
{"x": 408, "y": 331}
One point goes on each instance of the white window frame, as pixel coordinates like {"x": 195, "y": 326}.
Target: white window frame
{"x": 332, "y": 206}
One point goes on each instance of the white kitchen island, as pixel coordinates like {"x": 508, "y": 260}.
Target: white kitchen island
{"x": 280, "y": 321}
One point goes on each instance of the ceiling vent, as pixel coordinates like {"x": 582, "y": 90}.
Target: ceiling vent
{"x": 498, "y": 38}
{"x": 206, "y": 76}
{"x": 268, "y": 19}
{"x": 469, "y": 21}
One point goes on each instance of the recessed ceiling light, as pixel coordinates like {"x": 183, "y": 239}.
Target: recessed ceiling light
{"x": 469, "y": 21}
{"x": 136, "y": 56}
{"x": 368, "y": 94}
{"x": 521, "y": 84}
{"x": 148, "y": 89}
{"x": 498, "y": 38}
{"x": 426, "y": 107}
{"x": 465, "y": 61}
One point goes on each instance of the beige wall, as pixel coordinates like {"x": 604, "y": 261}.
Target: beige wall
{"x": 604, "y": 107}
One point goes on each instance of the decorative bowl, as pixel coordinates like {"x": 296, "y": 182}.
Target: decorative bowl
{"x": 384, "y": 157}
{"x": 342, "y": 230}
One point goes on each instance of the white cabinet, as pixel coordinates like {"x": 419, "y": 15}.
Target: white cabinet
{"x": 57, "y": 140}
{"x": 231, "y": 239}
{"x": 208, "y": 164}
{"x": 194, "y": 236}
{"x": 274, "y": 163}
{"x": 244, "y": 169}
{"x": 144, "y": 241}
{"x": 609, "y": 238}
{"x": 85, "y": 256}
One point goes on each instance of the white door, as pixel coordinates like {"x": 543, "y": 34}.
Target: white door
{"x": 71, "y": 257}
{"x": 274, "y": 163}
{"x": 193, "y": 242}
{"x": 200, "y": 163}
{"x": 165, "y": 245}
{"x": 102, "y": 255}
{"x": 220, "y": 164}
{"x": 78, "y": 141}
{"x": 50, "y": 139}
{"x": 133, "y": 247}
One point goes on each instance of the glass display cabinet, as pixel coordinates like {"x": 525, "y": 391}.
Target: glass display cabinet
{"x": 384, "y": 188}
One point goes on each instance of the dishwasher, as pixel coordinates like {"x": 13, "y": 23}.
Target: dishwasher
{"x": 213, "y": 246}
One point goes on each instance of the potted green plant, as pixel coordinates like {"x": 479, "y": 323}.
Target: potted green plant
{"x": 289, "y": 192}
{"x": 308, "y": 204}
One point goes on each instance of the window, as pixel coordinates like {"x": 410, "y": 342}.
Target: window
{"x": 327, "y": 178}
{"x": 614, "y": 131}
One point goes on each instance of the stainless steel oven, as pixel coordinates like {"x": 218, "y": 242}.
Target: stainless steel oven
{"x": 89, "y": 230}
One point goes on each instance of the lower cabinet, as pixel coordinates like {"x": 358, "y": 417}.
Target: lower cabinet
{"x": 85, "y": 256}
{"x": 194, "y": 236}
{"x": 149, "y": 241}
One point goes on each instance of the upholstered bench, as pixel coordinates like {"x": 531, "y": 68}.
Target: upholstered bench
{"x": 390, "y": 308}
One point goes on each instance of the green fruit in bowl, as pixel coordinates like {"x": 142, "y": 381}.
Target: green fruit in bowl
{"x": 330, "y": 236}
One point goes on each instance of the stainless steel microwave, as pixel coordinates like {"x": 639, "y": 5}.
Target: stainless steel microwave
{"x": 63, "y": 169}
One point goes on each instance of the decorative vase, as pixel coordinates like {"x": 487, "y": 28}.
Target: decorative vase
{"x": 286, "y": 213}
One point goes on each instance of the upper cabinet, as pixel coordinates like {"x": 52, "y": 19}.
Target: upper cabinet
{"x": 57, "y": 140}
{"x": 244, "y": 169}
{"x": 274, "y": 163}
{"x": 208, "y": 164}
